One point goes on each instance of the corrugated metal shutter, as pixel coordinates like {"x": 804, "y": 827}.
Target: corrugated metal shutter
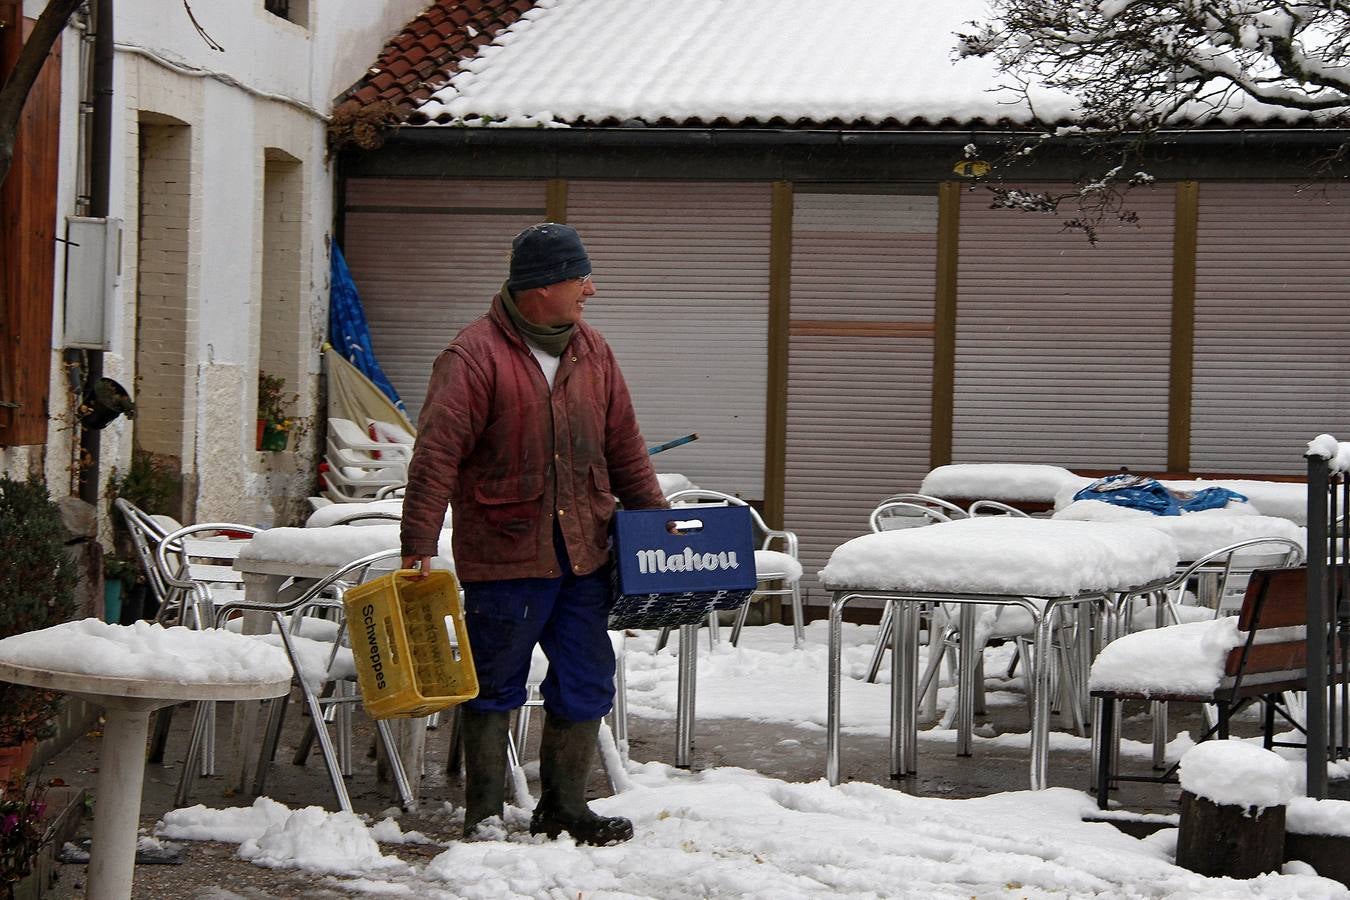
{"x": 860, "y": 361}
{"x": 682, "y": 287}
{"x": 1062, "y": 347}
{"x": 1272, "y": 291}
{"x": 427, "y": 255}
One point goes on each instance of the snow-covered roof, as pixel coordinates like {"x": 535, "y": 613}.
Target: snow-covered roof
{"x": 870, "y": 64}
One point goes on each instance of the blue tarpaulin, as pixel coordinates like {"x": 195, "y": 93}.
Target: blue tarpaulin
{"x": 347, "y": 329}
{"x": 1150, "y": 495}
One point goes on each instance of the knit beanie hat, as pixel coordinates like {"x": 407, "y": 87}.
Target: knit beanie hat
{"x": 545, "y": 254}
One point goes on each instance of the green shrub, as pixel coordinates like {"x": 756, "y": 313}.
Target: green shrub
{"x": 37, "y": 589}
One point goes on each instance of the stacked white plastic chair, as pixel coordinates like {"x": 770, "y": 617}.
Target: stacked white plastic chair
{"x": 360, "y": 466}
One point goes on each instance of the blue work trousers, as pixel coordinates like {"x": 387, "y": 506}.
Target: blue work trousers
{"x": 568, "y": 617}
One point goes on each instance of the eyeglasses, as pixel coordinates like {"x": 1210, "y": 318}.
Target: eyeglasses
{"x": 583, "y": 279}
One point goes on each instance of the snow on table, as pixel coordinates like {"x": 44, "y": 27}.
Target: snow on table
{"x": 1236, "y": 773}
{"x": 1004, "y": 555}
{"x": 145, "y": 651}
{"x": 1179, "y": 659}
{"x": 1308, "y": 815}
{"x": 1001, "y": 481}
{"x": 333, "y": 546}
{"x": 1196, "y": 533}
{"x": 1284, "y": 499}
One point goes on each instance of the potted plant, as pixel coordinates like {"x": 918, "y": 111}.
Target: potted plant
{"x": 37, "y": 585}
{"x": 274, "y": 419}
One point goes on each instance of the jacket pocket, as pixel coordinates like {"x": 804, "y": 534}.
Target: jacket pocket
{"x": 507, "y": 491}
{"x": 510, "y": 511}
{"x": 602, "y": 503}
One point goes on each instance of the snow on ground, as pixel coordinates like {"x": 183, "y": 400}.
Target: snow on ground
{"x": 732, "y": 832}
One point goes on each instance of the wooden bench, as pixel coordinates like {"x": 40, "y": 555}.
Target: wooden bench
{"x": 1265, "y": 665}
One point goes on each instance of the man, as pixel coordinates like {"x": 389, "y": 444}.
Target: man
{"x": 528, "y": 432}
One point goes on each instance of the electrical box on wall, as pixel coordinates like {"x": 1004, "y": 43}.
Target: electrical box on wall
{"x": 93, "y": 267}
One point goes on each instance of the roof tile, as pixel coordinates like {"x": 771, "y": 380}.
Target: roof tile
{"x": 431, "y": 46}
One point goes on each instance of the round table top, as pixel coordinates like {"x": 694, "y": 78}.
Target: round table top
{"x": 111, "y": 686}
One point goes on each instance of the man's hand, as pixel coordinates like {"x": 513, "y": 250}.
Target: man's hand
{"x": 421, "y": 563}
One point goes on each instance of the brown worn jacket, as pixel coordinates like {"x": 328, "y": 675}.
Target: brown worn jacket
{"x": 510, "y": 457}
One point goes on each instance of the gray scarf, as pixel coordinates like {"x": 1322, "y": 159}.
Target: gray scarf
{"x": 551, "y": 338}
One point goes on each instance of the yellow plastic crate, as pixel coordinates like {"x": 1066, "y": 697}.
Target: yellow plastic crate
{"x": 405, "y": 662}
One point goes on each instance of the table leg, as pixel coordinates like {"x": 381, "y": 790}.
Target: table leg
{"x": 965, "y": 704}
{"x": 1040, "y": 700}
{"x": 904, "y": 693}
{"x": 832, "y": 711}
{"x": 687, "y": 670}
{"x": 117, "y": 811}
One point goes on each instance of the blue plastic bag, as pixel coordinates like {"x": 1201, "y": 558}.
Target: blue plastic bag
{"x": 1149, "y": 495}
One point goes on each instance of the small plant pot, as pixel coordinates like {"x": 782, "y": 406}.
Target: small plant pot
{"x": 273, "y": 438}
{"x": 112, "y": 600}
{"x": 14, "y": 761}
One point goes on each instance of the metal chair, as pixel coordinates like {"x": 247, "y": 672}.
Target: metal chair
{"x": 772, "y": 566}
{"x": 327, "y": 593}
{"x": 995, "y": 508}
{"x": 147, "y": 531}
{"x": 892, "y": 513}
{"x": 1220, "y": 576}
{"x": 947, "y": 508}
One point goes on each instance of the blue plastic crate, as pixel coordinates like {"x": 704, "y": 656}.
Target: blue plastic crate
{"x": 674, "y": 566}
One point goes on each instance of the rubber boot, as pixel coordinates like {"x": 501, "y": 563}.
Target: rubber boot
{"x": 566, "y": 756}
{"x": 484, "y": 736}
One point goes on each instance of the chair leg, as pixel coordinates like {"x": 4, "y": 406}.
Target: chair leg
{"x": 316, "y": 716}
{"x": 1268, "y": 721}
{"x": 395, "y": 761}
{"x": 798, "y": 620}
{"x": 195, "y": 738}
{"x": 1160, "y": 729}
{"x": 620, "y": 711}
{"x": 454, "y": 758}
{"x": 883, "y": 639}
{"x": 662, "y": 638}
{"x": 1224, "y": 712}
{"x": 741, "y": 615}
{"x": 1103, "y": 730}
{"x": 160, "y": 737}
{"x": 714, "y": 631}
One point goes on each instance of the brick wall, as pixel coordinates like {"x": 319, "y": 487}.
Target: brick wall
{"x": 283, "y": 310}
{"x": 163, "y": 317}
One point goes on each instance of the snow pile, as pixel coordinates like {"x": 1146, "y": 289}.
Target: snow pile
{"x": 1308, "y": 815}
{"x": 234, "y": 825}
{"x": 333, "y": 546}
{"x": 313, "y": 839}
{"x": 1002, "y": 481}
{"x": 1327, "y": 447}
{"x": 1004, "y": 555}
{"x": 1196, "y": 533}
{"x": 731, "y": 832}
{"x": 147, "y": 652}
{"x": 1236, "y": 773}
{"x": 387, "y": 831}
{"x": 334, "y": 512}
{"x": 1185, "y": 659}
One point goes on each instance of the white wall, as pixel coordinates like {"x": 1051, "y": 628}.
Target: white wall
{"x": 269, "y": 87}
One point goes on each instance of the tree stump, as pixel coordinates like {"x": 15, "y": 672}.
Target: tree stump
{"x": 1216, "y": 840}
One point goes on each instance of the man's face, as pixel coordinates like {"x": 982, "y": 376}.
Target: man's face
{"x": 558, "y": 304}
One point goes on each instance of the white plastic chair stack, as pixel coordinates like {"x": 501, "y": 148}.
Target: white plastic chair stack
{"x": 359, "y": 466}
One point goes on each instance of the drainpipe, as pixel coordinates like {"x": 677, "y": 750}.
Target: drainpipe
{"x": 100, "y": 173}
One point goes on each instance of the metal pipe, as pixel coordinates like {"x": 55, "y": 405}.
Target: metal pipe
{"x": 99, "y": 180}
{"x": 835, "y": 686}
{"x": 687, "y": 670}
